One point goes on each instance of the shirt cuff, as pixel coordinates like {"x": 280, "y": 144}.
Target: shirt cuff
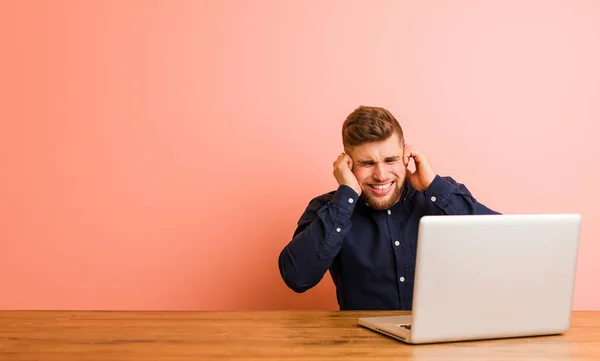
{"x": 439, "y": 191}
{"x": 345, "y": 198}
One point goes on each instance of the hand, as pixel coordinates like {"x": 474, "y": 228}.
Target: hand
{"x": 342, "y": 171}
{"x": 424, "y": 174}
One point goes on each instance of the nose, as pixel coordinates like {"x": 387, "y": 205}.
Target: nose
{"x": 380, "y": 172}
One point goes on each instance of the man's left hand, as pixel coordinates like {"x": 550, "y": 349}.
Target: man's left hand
{"x": 424, "y": 173}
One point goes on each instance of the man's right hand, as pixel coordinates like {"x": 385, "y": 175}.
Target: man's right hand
{"x": 342, "y": 171}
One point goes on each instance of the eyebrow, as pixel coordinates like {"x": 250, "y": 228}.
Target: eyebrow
{"x": 387, "y": 159}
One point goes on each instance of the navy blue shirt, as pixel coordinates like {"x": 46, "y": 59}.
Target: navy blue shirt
{"x": 369, "y": 253}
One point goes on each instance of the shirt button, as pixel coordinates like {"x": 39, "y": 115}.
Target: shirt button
{"x": 397, "y": 243}
{"x": 338, "y": 230}
{"x": 389, "y": 212}
{"x": 350, "y": 200}
{"x": 433, "y": 199}
{"x": 401, "y": 279}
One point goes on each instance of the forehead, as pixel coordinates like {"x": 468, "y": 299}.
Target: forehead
{"x": 390, "y": 147}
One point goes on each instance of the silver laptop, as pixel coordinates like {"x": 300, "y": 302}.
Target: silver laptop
{"x": 489, "y": 276}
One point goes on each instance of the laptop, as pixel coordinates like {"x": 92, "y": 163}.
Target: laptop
{"x": 487, "y": 277}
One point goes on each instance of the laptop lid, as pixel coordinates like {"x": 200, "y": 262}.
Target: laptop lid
{"x": 490, "y": 276}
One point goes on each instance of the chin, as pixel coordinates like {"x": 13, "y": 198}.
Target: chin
{"x": 382, "y": 203}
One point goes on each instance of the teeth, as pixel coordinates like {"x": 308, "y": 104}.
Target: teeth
{"x": 382, "y": 186}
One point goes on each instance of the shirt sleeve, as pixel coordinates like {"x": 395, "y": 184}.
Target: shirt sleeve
{"x": 453, "y": 198}
{"x": 317, "y": 239}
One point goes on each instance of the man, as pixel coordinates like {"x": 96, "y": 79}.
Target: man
{"x": 365, "y": 232}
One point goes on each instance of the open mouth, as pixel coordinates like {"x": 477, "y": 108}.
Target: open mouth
{"x": 381, "y": 188}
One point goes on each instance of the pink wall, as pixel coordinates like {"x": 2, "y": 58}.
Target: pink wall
{"x": 157, "y": 154}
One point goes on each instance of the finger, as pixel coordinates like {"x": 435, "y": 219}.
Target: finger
{"x": 338, "y": 160}
{"x": 414, "y": 154}
{"x": 407, "y": 154}
{"x": 417, "y": 156}
{"x": 350, "y": 162}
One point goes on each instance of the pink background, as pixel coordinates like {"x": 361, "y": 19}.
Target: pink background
{"x": 158, "y": 154}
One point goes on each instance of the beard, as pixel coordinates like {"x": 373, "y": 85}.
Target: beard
{"x": 383, "y": 203}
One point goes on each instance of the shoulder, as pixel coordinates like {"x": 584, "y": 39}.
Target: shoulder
{"x": 446, "y": 185}
{"x": 312, "y": 209}
{"x": 322, "y": 199}
{"x": 449, "y": 179}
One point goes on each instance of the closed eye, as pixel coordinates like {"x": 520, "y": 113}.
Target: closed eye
{"x": 366, "y": 164}
{"x": 392, "y": 159}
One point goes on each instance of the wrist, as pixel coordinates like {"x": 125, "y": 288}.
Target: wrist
{"x": 356, "y": 188}
{"x": 429, "y": 181}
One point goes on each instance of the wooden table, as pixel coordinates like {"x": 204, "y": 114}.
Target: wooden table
{"x": 252, "y": 335}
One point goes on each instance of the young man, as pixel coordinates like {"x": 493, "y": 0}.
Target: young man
{"x": 365, "y": 232}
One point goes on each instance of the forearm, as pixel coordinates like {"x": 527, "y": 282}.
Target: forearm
{"x": 317, "y": 241}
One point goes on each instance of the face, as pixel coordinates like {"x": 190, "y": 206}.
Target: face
{"x": 380, "y": 171}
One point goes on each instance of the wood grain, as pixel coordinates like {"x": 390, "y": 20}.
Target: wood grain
{"x": 257, "y": 335}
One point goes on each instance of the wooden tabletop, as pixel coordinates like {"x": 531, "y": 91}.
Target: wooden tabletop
{"x": 258, "y": 335}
